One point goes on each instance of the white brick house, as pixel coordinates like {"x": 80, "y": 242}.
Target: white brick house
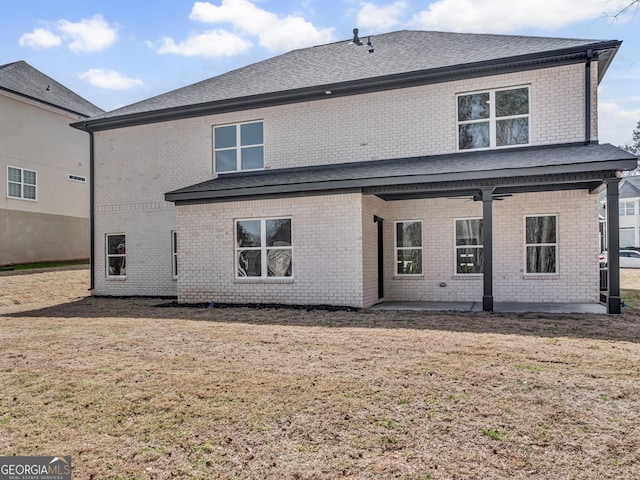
{"x": 432, "y": 166}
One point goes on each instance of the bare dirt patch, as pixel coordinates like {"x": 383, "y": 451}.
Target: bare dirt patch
{"x": 133, "y": 391}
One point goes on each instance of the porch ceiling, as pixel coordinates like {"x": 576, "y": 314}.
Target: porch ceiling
{"x": 591, "y": 181}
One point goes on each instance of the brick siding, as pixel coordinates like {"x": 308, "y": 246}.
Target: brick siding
{"x": 335, "y": 247}
{"x": 326, "y": 241}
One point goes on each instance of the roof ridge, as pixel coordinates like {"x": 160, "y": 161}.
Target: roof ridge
{"x": 6, "y": 65}
{"x": 23, "y": 79}
{"x": 399, "y": 58}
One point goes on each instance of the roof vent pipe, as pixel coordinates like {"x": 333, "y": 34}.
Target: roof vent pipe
{"x": 356, "y": 39}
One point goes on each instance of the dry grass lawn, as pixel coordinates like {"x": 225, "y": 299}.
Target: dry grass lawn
{"x": 134, "y": 391}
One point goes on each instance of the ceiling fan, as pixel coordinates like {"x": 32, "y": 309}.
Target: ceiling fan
{"x": 477, "y": 197}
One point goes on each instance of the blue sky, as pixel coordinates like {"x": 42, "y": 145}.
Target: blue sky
{"x": 117, "y": 52}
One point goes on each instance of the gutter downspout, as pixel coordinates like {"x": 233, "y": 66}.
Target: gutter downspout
{"x": 92, "y": 264}
{"x": 587, "y": 98}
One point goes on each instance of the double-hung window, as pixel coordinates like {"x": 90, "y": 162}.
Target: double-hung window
{"x": 264, "y": 248}
{"x": 469, "y": 249}
{"x": 627, "y": 208}
{"x": 116, "y": 255}
{"x": 238, "y": 147}
{"x": 493, "y": 119}
{"x": 541, "y": 244}
{"x": 21, "y": 183}
{"x": 408, "y": 247}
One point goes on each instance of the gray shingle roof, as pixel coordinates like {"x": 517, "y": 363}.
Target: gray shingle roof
{"x": 23, "y": 79}
{"x": 630, "y": 187}
{"x": 449, "y": 167}
{"x": 397, "y": 53}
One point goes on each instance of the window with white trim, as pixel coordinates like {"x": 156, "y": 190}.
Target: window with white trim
{"x": 493, "y": 119}
{"x": 264, "y": 248}
{"x": 116, "y": 255}
{"x": 21, "y": 183}
{"x": 408, "y": 246}
{"x": 174, "y": 253}
{"x": 627, "y": 208}
{"x": 541, "y": 244}
{"x": 469, "y": 246}
{"x": 238, "y": 147}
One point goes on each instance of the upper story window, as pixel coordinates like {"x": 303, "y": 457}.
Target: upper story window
{"x": 21, "y": 183}
{"x": 627, "y": 208}
{"x": 238, "y": 147}
{"x": 493, "y": 119}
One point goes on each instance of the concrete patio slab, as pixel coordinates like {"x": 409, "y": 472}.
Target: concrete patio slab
{"x": 435, "y": 306}
{"x": 508, "y": 307}
{"x": 521, "y": 307}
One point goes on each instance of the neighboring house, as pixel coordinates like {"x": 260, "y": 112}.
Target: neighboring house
{"x": 44, "y": 168}
{"x": 426, "y": 167}
{"x": 629, "y": 210}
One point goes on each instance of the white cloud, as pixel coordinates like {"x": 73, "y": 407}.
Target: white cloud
{"x": 40, "y": 38}
{"x": 616, "y": 121}
{"x": 380, "y": 17}
{"x": 88, "y": 35}
{"x": 240, "y": 13}
{"x": 493, "y": 16}
{"x": 274, "y": 33}
{"x": 294, "y": 32}
{"x": 109, "y": 79}
{"x": 215, "y": 43}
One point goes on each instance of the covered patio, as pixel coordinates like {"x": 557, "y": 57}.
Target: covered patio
{"x": 483, "y": 176}
{"x": 589, "y": 167}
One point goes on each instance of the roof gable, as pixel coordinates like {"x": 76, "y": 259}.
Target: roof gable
{"x": 630, "y": 187}
{"x": 344, "y": 68}
{"x": 22, "y": 79}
